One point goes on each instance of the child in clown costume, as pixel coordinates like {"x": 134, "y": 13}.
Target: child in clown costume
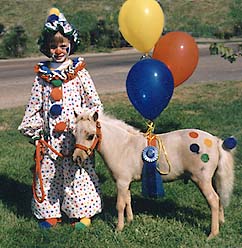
{"x": 62, "y": 88}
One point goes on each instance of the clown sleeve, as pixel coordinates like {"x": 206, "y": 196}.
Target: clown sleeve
{"x": 32, "y": 123}
{"x": 90, "y": 98}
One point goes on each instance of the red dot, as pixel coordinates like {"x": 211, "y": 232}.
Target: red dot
{"x": 193, "y": 134}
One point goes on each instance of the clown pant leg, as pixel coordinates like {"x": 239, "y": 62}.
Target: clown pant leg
{"x": 53, "y": 189}
{"x": 82, "y": 192}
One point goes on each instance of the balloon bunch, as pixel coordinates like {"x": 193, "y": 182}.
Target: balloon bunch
{"x": 150, "y": 82}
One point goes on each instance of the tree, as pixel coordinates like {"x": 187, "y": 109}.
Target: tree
{"x": 226, "y": 52}
{"x": 14, "y": 42}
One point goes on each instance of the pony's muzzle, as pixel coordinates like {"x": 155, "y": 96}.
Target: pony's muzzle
{"x": 77, "y": 156}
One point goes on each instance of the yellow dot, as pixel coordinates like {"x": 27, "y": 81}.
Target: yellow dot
{"x": 208, "y": 142}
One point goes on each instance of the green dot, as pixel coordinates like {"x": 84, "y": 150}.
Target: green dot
{"x": 56, "y": 82}
{"x": 205, "y": 158}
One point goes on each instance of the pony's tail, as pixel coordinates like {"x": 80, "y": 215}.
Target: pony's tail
{"x": 224, "y": 176}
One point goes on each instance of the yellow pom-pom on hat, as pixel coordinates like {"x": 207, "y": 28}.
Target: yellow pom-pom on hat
{"x": 54, "y": 11}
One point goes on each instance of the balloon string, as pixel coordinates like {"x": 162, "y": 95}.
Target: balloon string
{"x": 145, "y": 56}
{"x": 162, "y": 148}
{"x": 150, "y": 130}
{"x": 150, "y": 137}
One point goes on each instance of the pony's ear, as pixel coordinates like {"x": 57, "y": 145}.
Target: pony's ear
{"x": 95, "y": 116}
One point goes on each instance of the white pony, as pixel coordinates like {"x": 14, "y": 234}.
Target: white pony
{"x": 190, "y": 151}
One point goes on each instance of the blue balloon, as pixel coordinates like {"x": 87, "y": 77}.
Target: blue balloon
{"x": 149, "y": 86}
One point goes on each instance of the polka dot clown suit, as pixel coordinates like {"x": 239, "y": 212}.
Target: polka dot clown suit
{"x": 59, "y": 92}
{"x": 51, "y": 111}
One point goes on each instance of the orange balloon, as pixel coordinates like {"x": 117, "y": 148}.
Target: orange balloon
{"x": 179, "y": 52}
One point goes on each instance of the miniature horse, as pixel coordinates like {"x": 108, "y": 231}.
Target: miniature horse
{"x": 121, "y": 146}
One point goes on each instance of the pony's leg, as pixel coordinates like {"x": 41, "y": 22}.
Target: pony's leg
{"x": 121, "y": 204}
{"x": 129, "y": 211}
{"x": 213, "y": 201}
{"x": 221, "y": 213}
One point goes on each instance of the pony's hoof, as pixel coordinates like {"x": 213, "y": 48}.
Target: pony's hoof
{"x": 130, "y": 221}
{"x": 119, "y": 228}
{"x": 211, "y": 236}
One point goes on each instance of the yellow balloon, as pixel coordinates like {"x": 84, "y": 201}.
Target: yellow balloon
{"x": 141, "y": 23}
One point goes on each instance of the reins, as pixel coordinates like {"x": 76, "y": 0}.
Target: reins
{"x": 96, "y": 142}
{"x": 39, "y": 153}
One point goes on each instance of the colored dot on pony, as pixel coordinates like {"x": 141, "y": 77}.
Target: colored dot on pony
{"x": 193, "y": 135}
{"x": 205, "y": 158}
{"x": 208, "y": 142}
{"x": 194, "y": 148}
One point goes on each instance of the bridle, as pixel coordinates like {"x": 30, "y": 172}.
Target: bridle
{"x": 96, "y": 141}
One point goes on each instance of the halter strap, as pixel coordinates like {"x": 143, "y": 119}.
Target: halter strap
{"x": 96, "y": 142}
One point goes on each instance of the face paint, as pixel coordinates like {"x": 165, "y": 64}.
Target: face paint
{"x": 60, "y": 52}
{"x": 68, "y": 49}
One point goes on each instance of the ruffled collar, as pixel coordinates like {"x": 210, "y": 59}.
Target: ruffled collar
{"x": 64, "y": 74}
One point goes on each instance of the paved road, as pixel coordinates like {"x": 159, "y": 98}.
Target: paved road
{"x": 108, "y": 71}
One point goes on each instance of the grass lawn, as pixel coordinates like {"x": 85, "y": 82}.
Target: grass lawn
{"x": 180, "y": 219}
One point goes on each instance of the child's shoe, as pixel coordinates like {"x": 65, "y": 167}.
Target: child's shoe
{"x": 48, "y": 223}
{"x": 82, "y": 224}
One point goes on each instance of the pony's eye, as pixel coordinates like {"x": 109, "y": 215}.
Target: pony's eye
{"x": 90, "y": 137}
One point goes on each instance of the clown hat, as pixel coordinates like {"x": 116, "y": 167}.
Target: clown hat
{"x": 56, "y": 22}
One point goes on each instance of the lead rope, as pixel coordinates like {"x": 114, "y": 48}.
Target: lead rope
{"x": 37, "y": 173}
{"x": 151, "y": 137}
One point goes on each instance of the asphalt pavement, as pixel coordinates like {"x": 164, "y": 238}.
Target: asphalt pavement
{"x": 109, "y": 72}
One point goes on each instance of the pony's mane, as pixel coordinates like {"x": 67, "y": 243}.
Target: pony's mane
{"x": 110, "y": 119}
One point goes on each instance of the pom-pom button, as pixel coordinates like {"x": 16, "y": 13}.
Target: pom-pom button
{"x": 60, "y": 127}
{"x": 56, "y": 82}
{"x": 56, "y": 94}
{"x": 55, "y": 110}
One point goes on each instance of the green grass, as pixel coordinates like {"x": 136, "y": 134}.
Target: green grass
{"x": 32, "y": 13}
{"x": 180, "y": 219}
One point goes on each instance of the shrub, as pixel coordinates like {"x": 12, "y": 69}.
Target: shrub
{"x": 2, "y": 29}
{"x": 85, "y": 22}
{"x": 107, "y": 32}
{"x": 14, "y": 42}
{"x": 236, "y": 14}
